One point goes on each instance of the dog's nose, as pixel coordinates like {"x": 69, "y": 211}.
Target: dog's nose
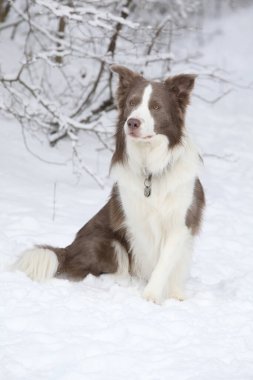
{"x": 133, "y": 123}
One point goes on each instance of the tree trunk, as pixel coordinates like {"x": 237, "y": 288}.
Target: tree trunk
{"x": 61, "y": 29}
{"x": 4, "y": 9}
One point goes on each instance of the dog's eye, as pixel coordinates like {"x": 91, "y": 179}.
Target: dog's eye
{"x": 132, "y": 103}
{"x": 155, "y": 106}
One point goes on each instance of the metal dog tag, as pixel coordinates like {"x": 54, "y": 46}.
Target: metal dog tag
{"x": 147, "y": 186}
{"x": 147, "y": 191}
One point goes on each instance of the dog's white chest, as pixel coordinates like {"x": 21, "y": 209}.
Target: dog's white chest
{"x": 144, "y": 230}
{"x": 149, "y": 220}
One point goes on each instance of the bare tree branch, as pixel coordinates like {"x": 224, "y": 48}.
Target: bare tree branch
{"x": 62, "y": 86}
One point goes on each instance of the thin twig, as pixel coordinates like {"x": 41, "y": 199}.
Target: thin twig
{"x": 215, "y": 100}
{"x": 86, "y": 169}
{"x": 35, "y": 154}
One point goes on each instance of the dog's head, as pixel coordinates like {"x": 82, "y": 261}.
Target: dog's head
{"x": 151, "y": 111}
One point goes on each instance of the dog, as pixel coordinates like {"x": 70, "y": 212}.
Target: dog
{"x": 147, "y": 227}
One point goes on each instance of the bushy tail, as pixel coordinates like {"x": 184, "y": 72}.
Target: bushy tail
{"x": 40, "y": 263}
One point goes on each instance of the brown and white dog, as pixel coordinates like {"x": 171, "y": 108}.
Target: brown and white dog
{"x": 147, "y": 227}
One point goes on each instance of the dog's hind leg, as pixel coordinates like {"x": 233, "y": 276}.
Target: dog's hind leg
{"x": 122, "y": 274}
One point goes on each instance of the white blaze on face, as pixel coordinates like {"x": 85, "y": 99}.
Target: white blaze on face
{"x": 142, "y": 112}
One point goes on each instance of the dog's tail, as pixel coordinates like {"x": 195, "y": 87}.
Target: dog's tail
{"x": 41, "y": 263}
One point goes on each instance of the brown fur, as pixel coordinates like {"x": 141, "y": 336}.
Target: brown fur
{"x": 169, "y": 117}
{"x": 92, "y": 250}
{"x": 194, "y": 213}
{"x": 171, "y": 96}
{"x": 130, "y": 84}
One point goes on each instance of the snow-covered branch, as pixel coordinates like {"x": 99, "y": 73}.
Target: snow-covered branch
{"x": 62, "y": 84}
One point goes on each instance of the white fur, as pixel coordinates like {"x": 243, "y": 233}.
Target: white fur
{"x": 160, "y": 241}
{"x": 143, "y": 113}
{"x": 122, "y": 275}
{"x": 122, "y": 259}
{"x": 151, "y": 155}
{"x": 39, "y": 264}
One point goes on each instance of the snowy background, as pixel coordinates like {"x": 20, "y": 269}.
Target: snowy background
{"x": 97, "y": 329}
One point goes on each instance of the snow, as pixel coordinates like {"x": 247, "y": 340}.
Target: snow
{"x": 100, "y": 329}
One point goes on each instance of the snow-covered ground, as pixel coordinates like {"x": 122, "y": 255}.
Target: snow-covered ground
{"x": 97, "y": 329}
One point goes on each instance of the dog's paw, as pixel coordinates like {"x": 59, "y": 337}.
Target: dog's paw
{"x": 177, "y": 295}
{"x": 152, "y": 295}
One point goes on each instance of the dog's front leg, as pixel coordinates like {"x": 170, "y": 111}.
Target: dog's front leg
{"x": 174, "y": 249}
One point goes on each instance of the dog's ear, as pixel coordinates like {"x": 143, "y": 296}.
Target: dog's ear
{"x": 126, "y": 76}
{"x": 182, "y": 86}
